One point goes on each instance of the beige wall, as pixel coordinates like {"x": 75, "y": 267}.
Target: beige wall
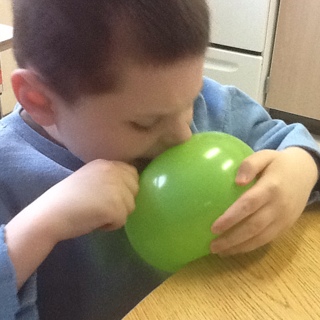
{"x": 7, "y": 61}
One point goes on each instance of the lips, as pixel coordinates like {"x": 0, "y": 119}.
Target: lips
{"x": 141, "y": 163}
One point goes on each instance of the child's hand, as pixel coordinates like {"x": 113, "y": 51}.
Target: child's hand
{"x": 99, "y": 195}
{"x": 272, "y": 205}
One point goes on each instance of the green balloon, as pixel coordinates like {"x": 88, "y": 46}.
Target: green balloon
{"x": 182, "y": 192}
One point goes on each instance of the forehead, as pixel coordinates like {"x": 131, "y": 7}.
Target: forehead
{"x": 161, "y": 89}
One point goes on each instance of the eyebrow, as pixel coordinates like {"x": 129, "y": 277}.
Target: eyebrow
{"x": 159, "y": 116}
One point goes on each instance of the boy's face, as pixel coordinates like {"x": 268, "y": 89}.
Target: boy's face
{"x": 150, "y": 113}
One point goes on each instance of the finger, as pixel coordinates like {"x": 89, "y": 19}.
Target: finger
{"x": 119, "y": 218}
{"x": 130, "y": 176}
{"x": 128, "y": 168}
{"x": 132, "y": 185}
{"x": 250, "y": 202}
{"x": 243, "y": 232}
{"x": 271, "y": 232}
{"x": 253, "y": 165}
{"x": 130, "y": 203}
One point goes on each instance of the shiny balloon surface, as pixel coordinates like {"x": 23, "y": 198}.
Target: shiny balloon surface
{"x": 182, "y": 192}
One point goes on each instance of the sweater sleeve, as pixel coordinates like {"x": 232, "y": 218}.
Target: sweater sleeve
{"x": 15, "y": 305}
{"x": 9, "y": 304}
{"x": 227, "y": 109}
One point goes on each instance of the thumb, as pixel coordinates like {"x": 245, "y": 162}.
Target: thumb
{"x": 253, "y": 165}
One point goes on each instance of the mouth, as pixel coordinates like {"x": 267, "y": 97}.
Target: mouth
{"x": 141, "y": 163}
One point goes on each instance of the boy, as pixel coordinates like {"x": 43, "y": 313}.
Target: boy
{"x": 104, "y": 87}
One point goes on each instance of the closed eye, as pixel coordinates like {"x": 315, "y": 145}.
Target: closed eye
{"x": 141, "y": 127}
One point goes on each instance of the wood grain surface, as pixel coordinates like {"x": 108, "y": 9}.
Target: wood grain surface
{"x": 278, "y": 281}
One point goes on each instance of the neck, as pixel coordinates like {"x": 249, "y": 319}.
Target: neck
{"x": 36, "y": 127}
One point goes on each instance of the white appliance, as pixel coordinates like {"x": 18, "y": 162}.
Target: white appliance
{"x": 242, "y": 33}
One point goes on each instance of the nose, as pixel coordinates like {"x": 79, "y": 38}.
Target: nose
{"x": 177, "y": 131}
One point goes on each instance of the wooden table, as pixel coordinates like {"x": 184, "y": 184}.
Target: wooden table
{"x": 279, "y": 281}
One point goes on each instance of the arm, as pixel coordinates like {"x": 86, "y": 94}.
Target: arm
{"x": 227, "y": 109}
{"x": 285, "y": 164}
{"x": 100, "y": 195}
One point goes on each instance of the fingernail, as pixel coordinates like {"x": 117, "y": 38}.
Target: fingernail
{"x": 241, "y": 177}
{"x": 216, "y": 229}
{"x": 212, "y": 250}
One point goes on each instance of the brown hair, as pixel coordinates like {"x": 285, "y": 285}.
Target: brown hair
{"x": 74, "y": 44}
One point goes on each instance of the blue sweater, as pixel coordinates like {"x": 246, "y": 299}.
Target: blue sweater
{"x": 99, "y": 276}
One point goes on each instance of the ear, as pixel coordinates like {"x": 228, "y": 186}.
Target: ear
{"x": 33, "y": 95}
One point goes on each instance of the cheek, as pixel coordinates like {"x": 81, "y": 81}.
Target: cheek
{"x": 127, "y": 145}
{"x": 115, "y": 142}
{"x": 139, "y": 145}
{"x": 148, "y": 145}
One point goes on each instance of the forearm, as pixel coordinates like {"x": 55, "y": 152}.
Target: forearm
{"x": 28, "y": 241}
